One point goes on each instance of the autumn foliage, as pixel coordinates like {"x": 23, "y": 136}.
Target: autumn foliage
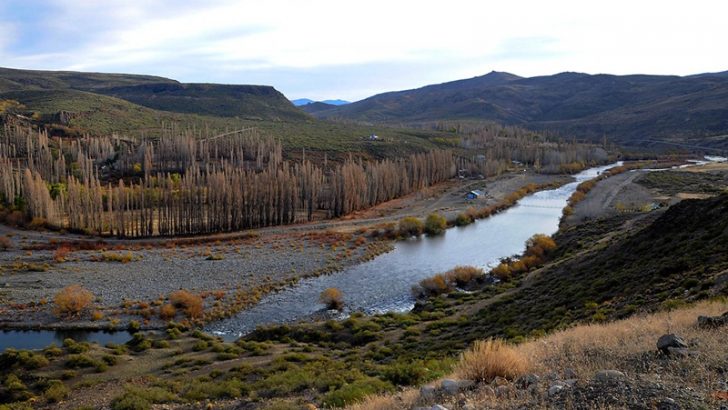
{"x": 191, "y": 304}
{"x": 332, "y": 298}
{"x": 72, "y": 300}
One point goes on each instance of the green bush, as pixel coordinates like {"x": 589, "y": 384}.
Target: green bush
{"x": 435, "y": 224}
{"x": 356, "y": 391}
{"x": 463, "y": 219}
{"x": 56, "y": 391}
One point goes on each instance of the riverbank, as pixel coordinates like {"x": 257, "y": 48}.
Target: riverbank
{"x": 130, "y": 280}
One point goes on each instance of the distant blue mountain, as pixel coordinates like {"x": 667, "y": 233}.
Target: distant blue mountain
{"x": 305, "y": 101}
{"x": 336, "y": 102}
{"x": 301, "y": 101}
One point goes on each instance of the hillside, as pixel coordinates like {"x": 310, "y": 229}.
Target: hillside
{"x": 315, "y": 107}
{"x": 244, "y": 101}
{"x": 629, "y": 109}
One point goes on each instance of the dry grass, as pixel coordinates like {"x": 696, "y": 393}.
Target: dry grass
{"x": 488, "y": 359}
{"x": 616, "y": 345}
{"x": 619, "y": 345}
{"x": 403, "y": 400}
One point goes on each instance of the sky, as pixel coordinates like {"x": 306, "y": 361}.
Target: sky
{"x": 325, "y": 49}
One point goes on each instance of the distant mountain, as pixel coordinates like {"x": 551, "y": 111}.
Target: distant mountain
{"x": 629, "y": 109}
{"x": 243, "y": 101}
{"x": 315, "y": 107}
{"x": 302, "y": 101}
{"x": 305, "y": 101}
{"x": 336, "y": 102}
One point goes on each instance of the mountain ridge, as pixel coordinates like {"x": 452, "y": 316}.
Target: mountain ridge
{"x": 625, "y": 108}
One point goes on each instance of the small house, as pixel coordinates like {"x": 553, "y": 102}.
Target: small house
{"x": 474, "y": 194}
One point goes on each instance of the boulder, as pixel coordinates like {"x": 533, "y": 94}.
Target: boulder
{"x": 713, "y": 321}
{"x": 609, "y": 376}
{"x": 555, "y": 389}
{"x": 450, "y": 386}
{"x": 527, "y": 380}
{"x": 438, "y": 407}
{"x": 670, "y": 340}
{"x": 427, "y": 392}
{"x": 569, "y": 373}
{"x": 681, "y": 352}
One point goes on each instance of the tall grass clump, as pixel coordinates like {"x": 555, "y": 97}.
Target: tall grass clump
{"x": 488, "y": 359}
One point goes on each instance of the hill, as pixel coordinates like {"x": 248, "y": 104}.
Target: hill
{"x": 631, "y": 109}
{"x": 315, "y": 107}
{"x": 244, "y": 101}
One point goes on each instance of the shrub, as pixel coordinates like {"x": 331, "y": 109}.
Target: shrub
{"x": 488, "y": 359}
{"x": 433, "y": 286}
{"x": 353, "y": 392}
{"x": 540, "y": 245}
{"x": 167, "y": 312}
{"x": 97, "y": 315}
{"x": 435, "y": 224}
{"x": 117, "y": 257}
{"x": 23, "y": 358}
{"x": 463, "y": 275}
{"x": 56, "y": 391}
{"x": 411, "y": 226}
{"x": 130, "y": 401}
{"x": 72, "y": 300}
{"x": 61, "y": 253}
{"x": 463, "y": 219}
{"x": 5, "y": 243}
{"x": 332, "y": 298}
{"x": 191, "y": 304}
{"x": 79, "y": 361}
{"x": 502, "y": 271}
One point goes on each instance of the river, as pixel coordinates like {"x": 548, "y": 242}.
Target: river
{"x": 384, "y": 284}
{"x": 381, "y": 285}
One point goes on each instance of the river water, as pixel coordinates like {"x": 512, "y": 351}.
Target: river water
{"x": 381, "y": 285}
{"x": 384, "y": 284}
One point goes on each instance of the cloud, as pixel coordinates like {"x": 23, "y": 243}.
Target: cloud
{"x": 327, "y": 48}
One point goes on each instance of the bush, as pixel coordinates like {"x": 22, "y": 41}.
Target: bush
{"x": 167, "y": 311}
{"x": 72, "y": 300}
{"x": 435, "y": 224}
{"x": 355, "y": 391}
{"x": 463, "y": 275}
{"x": 5, "y": 243}
{"x": 56, "y": 391}
{"x": 411, "y": 226}
{"x": 463, "y": 219}
{"x": 488, "y": 359}
{"x": 433, "y": 286}
{"x": 191, "y": 304}
{"x": 117, "y": 257}
{"x": 332, "y": 298}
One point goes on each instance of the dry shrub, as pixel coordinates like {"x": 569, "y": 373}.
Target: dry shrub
{"x": 5, "y": 243}
{"x": 192, "y": 304}
{"x": 97, "y": 315}
{"x": 167, "y": 311}
{"x": 435, "y": 224}
{"x": 72, "y": 300}
{"x": 488, "y": 359}
{"x": 332, "y": 298}
{"x": 502, "y": 271}
{"x": 61, "y": 253}
{"x": 463, "y": 275}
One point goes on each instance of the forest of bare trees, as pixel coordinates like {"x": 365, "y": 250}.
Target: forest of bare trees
{"x": 193, "y": 182}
